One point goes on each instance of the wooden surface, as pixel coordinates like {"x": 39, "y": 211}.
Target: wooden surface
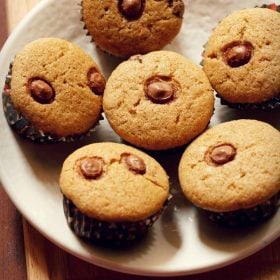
{"x": 45, "y": 261}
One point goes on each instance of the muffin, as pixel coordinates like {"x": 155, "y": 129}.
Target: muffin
{"x": 232, "y": 172}
{"x": 242, "y": 59}
{"x": 158, "y": 101}
{"x": 126, "y": 27}
{"x": 112, "y": 193}
{"x": 53, "y": 92}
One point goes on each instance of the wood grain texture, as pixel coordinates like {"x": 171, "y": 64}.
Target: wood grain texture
{"x": 262, "y": 266}
{"x": 12, "y": 261}
{"x": 43, "y": 260}
{"x": 46, "y": 261}
{"x": 36, "y": 262}
{"x": 3, "y": 25}
{"x": 17, "y": 9}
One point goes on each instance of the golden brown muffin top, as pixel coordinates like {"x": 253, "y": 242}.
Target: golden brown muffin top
{"x": 114, "y": 182}
{"x": 128, "y": 27}
{"x": 52, "y": 87}
{"x": 242, "y": 58}
{"x": 158, "y": 101}
{"x": 234, "y": 165}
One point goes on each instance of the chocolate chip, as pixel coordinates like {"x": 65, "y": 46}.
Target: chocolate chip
{"x": 41, "y": 90}
{"x": 134, "y": 163}
{"x": 91, "y": 167}
{"x": 237, "y": 54}
{"x": 159, "y": 89}
{"x": 96, "y": 81}
{"x": 222, "y": 153}
{"x": 131, "y": 9}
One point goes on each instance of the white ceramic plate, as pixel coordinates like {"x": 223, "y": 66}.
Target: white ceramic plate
{"x": 181, "y": 242}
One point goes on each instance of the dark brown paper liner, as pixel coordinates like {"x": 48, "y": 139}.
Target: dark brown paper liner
{"x": 107, "y": 233}
{"x": 272, "y": 6}
{"x": 268, "y": 105}
{"x": 246, "y": 217}
{"x": 24, "y": 127}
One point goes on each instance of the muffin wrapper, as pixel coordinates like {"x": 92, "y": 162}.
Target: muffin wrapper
{"x": 107, "y": 233}
{"x": 82, "y": 20}
{"x": 246, "y": 217}
{"x": 24, "y": 127}
{"x": 271, "y": 6}
{"x": 268, "y": 105}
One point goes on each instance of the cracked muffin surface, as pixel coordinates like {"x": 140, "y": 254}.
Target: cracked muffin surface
{"x": 242, "y": 59}
{"x": 51, "y": 87}
{"x": 232, "y": 166}
{"x": 131, "y": 185}
{"x": 158, "y": 101}
{"x": 128, "y": 27}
